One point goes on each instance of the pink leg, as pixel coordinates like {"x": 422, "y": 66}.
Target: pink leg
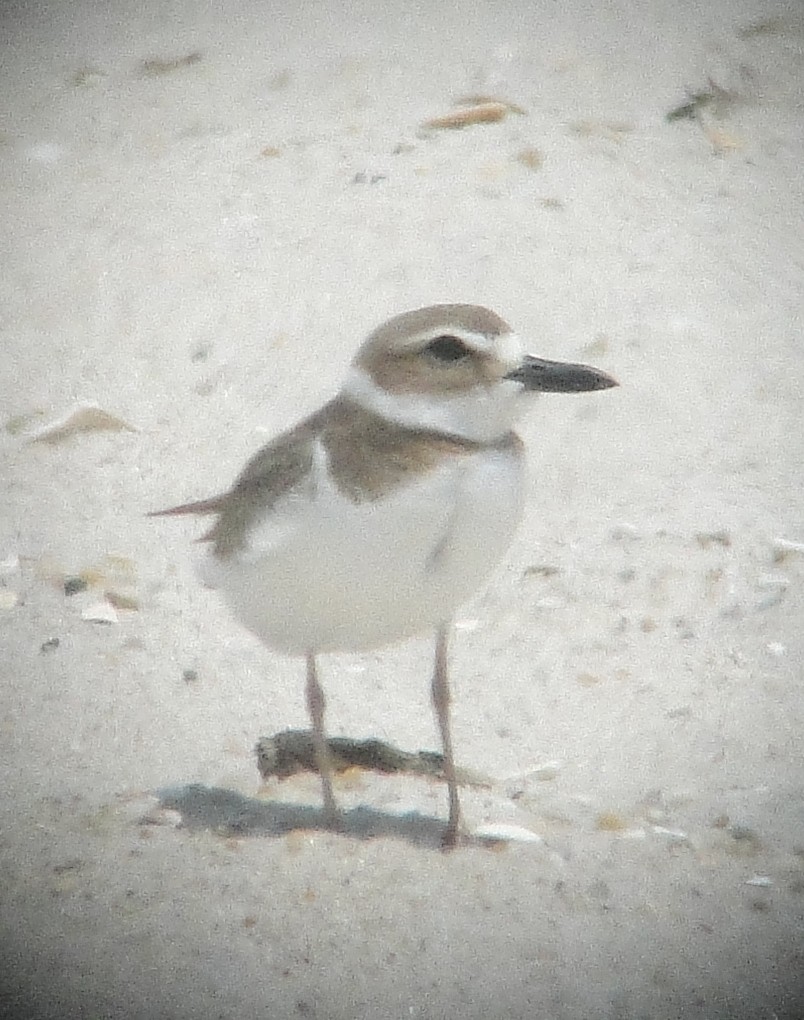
{"x": 315, "y": 706}
{"x": 441, "y": 699}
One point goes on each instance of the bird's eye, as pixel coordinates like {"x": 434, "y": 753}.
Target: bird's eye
{"x": 447, "y": 348}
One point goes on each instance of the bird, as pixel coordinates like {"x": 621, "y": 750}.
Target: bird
{"x": 375, "y": 518}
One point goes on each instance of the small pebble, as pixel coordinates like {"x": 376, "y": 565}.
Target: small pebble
{"x": 508, "y": 833}
{"x": 544, "y": 773}
{"x": 673, "y": 835}
{"x": 707, "y": 538}
{"x": 163, "y": 816}
{"x": 9, "y": 564}
{"x": 74, "y": 585}
{"x": 100, "y": 612}
{"x": 46, "y": 153}
{"x": 783, "y": 547}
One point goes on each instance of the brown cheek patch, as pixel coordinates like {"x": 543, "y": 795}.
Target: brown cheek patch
{"x": 415, "y": 373}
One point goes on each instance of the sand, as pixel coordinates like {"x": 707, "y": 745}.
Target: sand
{"x": 206, "y": 207}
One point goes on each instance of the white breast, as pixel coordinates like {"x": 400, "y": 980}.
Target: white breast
{"x": 324, "y": 574}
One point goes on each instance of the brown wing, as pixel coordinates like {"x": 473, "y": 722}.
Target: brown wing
{"x": 201, "y": 506}
{"x": 215, "y": 505}
{"x": 278, "y": 468}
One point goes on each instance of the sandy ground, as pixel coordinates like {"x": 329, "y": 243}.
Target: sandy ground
{"x": 205, "y": 209}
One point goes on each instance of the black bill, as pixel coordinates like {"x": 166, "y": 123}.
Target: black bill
{"x": 560, "y": 376}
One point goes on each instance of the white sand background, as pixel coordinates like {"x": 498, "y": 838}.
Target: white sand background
{"x": 197, "y": 246}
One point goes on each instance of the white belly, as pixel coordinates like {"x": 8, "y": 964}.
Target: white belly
{"x": 324, "y": 574}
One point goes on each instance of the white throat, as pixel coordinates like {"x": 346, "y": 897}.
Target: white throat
{"x": 481, "y": 415}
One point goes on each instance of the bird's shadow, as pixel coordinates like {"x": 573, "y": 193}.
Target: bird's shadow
{"x": 230, "y": 814}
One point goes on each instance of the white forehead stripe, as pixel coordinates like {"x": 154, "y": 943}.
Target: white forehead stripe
{"x": 508, "y": 348}
{"x": 505, "y": 346}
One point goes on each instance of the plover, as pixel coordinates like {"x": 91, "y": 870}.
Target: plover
{"x": 375, "y": 518}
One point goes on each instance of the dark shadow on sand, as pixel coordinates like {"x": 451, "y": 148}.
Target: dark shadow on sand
{"x": 231, "y": 814}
